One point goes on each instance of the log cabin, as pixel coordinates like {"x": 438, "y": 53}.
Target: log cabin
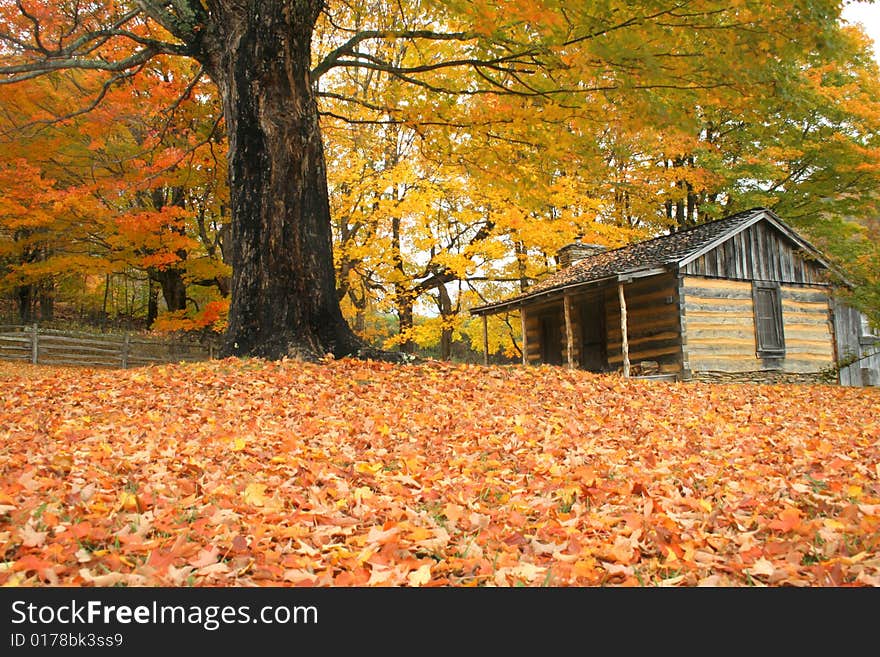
{"x": 743, "y": 298}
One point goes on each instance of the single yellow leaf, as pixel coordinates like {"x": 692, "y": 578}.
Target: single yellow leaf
{"x": 762, "y": 567}
{"x": 368, "y": 468}
{"x": 128, "y": 501}
{"x": 420, "y": 576}
{"x": 255, "y": 494}
{"x": 362, "y": 493}
{"x": 856, "y": 558}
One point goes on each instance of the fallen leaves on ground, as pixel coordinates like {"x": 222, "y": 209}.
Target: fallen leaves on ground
{"x": 360, "y": 473}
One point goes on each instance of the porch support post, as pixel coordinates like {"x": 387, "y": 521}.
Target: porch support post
{"x": 485, "y": 339}
{"x": 525, "y": 342}
{"x": 569, "y": 339}
{"x": 35, "y": 343}
{"x": 624, "y": 342}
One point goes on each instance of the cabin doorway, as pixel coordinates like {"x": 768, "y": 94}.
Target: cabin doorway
{"x": 551, "y": 339}
{"x": 592, "y": 317}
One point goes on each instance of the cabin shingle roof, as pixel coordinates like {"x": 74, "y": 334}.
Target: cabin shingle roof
{"x": 648, "y": 255}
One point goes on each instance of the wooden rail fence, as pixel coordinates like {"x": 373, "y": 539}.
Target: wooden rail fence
{"x": 54, "y": 347}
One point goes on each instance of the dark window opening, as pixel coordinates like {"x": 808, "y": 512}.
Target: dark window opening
{"x": 769, "y": 332}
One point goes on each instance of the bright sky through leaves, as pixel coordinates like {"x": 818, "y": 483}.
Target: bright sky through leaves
{"x": 868, "y": 14}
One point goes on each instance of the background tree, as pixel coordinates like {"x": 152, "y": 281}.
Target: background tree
{"x": 127, "y": 193}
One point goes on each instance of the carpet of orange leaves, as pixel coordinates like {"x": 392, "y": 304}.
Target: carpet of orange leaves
{"x": 352, "y": 473}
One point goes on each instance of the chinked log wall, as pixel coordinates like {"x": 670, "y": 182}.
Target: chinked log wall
{"x": 652, "y": 323}
{"x": 51, "y": 347}
{"x": 720, "y": 327}
{"x": 535, "y": 313}
{"x": 533, "y": 335}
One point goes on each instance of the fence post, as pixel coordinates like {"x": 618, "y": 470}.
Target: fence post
{"x": 34, "y": 344}
{"x": 125, "y": 344}
{"x": 210, "y": 351}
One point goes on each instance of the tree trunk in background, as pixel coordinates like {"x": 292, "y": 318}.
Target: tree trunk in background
{"x": 521, "y": 258}
{"x": 152, "y": 301}
{"x": 446, "y": 314}
{"x": 24, "y": 297}
{"x": 173, "y": 287}
{"x": 47, "y": 301}
{"x": 403, "y": 299}
{"x": 171, "y": 279}
{"x": 284, "y": 299}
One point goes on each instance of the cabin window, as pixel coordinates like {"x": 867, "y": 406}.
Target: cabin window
{"x": 769, "y": 333}
{"x": 868, "y": 331}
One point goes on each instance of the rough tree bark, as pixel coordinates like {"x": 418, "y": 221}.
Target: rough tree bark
{"x": 173, "y": 287}
{"x": 284, "y": 299}
{"x": 403, "y": 299}
{"x": 24, "y": 297}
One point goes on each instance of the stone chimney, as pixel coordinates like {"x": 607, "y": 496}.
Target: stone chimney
{"x": 575, "y": 252}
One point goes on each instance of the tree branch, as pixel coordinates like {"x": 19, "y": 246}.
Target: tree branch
{"x": 348, "y": 48}
{"x": 182, "y": 23}
{"x": 19, "y": 72}
{"x": 36, "y": 23}
{"x": 108, "y": 84}
{"x": 80, "y": 53}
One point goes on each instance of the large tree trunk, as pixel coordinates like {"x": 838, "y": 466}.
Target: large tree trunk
{"x": 284, "y": 299}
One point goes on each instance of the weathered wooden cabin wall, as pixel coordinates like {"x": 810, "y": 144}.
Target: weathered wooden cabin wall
{"x": 760, "y": 252}
{"x": 652, "y": 323}
{"x": 858, "y": 354}
{"x": 533, "y": 336}
{"x": 574, "y": 313}
{"x": 719, "y": 324}
{"x": 809, "y": 333}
